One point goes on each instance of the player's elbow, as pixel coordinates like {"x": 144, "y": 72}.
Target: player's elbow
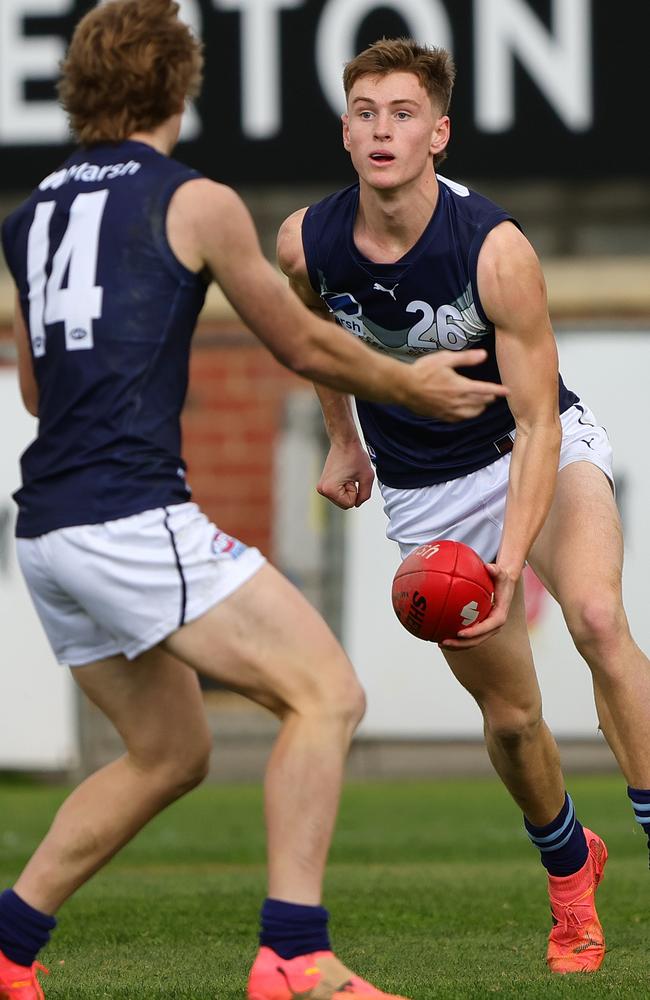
{"x": 309, "y": 364}
{"x": 321, "y": 367}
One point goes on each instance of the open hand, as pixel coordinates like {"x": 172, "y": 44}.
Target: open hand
{"x": 474, "y": 635}
{"x": 439, "y": 391}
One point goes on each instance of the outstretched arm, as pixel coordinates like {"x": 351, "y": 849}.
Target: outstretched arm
{"x": 209, "y": 226}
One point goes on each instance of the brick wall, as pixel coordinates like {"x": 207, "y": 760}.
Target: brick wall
{"x": 230, "y": 426}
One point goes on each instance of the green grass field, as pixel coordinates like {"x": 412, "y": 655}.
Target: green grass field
{"x": 433, "y": 889}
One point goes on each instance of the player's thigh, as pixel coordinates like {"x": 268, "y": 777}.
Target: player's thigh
{"x": 500, "y": 673}
{"x": 268, "y": 642}
{"x": 155, "y": 703}
{"x": 579, "y": 550}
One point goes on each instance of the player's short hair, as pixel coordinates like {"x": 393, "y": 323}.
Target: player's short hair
{"x": 131, "y": 64}
{"x": 434, "y": 67}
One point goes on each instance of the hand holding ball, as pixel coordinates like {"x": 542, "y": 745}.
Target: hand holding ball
{"x": 440, "y": 588}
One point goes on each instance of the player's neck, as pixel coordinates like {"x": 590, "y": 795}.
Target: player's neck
{"x": 389, "y": 223}
{"x": 162, "y": 138}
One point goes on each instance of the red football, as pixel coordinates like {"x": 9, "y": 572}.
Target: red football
{"x": 441, "y": 588}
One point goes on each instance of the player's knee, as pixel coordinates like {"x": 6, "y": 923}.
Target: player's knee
{"x": 343, "y": 699}
{"x": 179, "y": 765}
{"x": 186, "y": 773}
{"x": 356, "y": 704}
{"x": 337, "y": 696}
{"x": 513, "y": 726}
{"x": 597, "y": 623}
{"x": 196, "y": 766}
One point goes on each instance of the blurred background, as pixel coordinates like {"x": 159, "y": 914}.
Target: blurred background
{"x": 545, "y": 121}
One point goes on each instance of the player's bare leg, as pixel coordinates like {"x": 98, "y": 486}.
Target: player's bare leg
{"x": 500, "y": 676}
{"x": 579, "y": 556}
{"x": 156, "y": 705}
{"x": 267, "y": 642}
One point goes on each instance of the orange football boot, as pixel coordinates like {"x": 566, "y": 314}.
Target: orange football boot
{"x": 576, "y": 942}
{"x": 20, "y": 982}
{"x": 318, "y": 976}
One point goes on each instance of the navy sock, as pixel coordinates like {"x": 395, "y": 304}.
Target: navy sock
{"x": 640, "y": 798}
{"x": 291, "y": 929}
{"x": 23, "y": 930}
{"x": 562, "y": 843}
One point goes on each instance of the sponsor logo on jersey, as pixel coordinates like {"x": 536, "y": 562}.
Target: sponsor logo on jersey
{"x": 346, "y": 310}
{"x": 226, "y": 545}
{"x": 89, "y": 172}
{"x": 452, "y": 326}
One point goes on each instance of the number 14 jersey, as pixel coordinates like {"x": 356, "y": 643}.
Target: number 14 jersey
{"x": 110, "y": 313}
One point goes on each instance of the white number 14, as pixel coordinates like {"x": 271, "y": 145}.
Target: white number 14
{"x": 79, "y": 301}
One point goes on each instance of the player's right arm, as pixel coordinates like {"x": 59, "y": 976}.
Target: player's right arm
{"x": 209, "y": 227}
{"x": 347, "y": 475}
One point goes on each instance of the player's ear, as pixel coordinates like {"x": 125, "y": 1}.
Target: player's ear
{"x": 345, "y": 122}
{"x": 441, "y": 134}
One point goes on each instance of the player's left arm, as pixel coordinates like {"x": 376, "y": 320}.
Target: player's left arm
{"x": 26, "y": 377}
{"x": 513, "y": 295}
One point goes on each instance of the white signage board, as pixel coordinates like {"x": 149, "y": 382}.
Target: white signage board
{"x": 411, "y": 692}
{"x": 38, "y": 714}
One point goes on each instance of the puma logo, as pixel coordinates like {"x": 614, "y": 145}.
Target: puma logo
{"x": 389, "y": 291}
{"x": 589, "y": 943}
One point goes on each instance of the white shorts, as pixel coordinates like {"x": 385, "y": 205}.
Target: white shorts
{"x": 123, "y": 586}
{"x": 471, "y": 509}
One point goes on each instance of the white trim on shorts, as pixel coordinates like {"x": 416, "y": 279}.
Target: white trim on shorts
{"x": 471, "y": 509}
{"x": 125, "y": 585}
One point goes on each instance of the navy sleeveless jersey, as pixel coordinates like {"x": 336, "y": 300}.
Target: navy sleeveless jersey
{"x": 110, "y": 313}
{"x": 426, "y": 301}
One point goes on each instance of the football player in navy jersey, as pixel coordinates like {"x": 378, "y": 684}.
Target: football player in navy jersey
{"x": 136, "y": 589}
{"x": 414, "y": 264}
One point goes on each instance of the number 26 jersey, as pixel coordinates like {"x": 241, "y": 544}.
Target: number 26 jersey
{"x": 426, "y": 301}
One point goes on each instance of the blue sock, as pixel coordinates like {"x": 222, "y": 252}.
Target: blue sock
{"x": 562, "y": 843}
{"x": 291, "y": 929}
{"x": 640, "y": 798}
{"x": 23, "y": 930}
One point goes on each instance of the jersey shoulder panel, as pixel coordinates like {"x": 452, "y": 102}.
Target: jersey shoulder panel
{"x": 322, "y": 227}
{"x": 472, "y": 217}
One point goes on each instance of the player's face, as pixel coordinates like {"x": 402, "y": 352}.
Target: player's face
{"x": 392, "y": 130}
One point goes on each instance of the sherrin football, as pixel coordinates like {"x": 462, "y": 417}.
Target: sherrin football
{"x": 440, "y": 588}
